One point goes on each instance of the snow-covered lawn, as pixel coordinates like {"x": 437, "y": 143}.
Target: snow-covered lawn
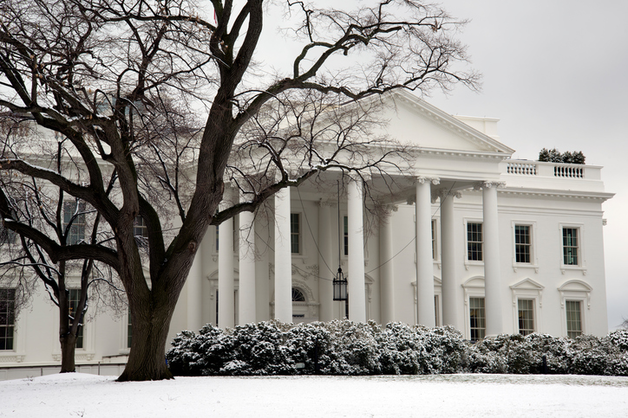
{"x": 83, "y": 395}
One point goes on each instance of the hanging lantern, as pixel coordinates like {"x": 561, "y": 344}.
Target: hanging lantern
{"x": 340, "y": 286}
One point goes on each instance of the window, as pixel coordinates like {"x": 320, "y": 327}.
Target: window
{"x": 523, "y": 244}
{"x": 474, "y": 241}
{"x": 570, "y": 246}
{"x": 436, "y": 311}
{"x": 75, "y": 217}
{"x": 129, "y": 331}
{"x": 574, "y": 318}
{"x": 297, "y": 295}
{"x": 7, "y": 318}
{"x": 526, "y": 316}
{"x": 295, "y": 233}
{"x": 140, "y": 231}
{"x": 433, "y": 239}
{"x": 478, "y": 318}
{"x": 75, "y": 297}
{"x": 345, "y": 235}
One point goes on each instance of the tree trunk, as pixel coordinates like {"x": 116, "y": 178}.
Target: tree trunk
{"x": 150, "y": 322}
{"x": 68, "y": 347}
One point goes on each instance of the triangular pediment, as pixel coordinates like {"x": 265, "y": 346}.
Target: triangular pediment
{"x": 527, "y": 284}
{"x": 414, "y": 122}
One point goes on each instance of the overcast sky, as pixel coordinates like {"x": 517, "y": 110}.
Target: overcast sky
{"x": 554, "y": 73}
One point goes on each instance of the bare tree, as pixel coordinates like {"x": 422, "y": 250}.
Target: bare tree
{"x": 65, "y": 218}
{"x": 105, "y": 73}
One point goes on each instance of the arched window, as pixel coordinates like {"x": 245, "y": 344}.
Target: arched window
{"x": 297, "y": 295}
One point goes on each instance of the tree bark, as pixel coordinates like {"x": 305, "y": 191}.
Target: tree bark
{"x": 150, "y": 322}
{"x": 68, "y": 348}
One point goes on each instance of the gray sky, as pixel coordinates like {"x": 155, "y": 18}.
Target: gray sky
{"x": 554, "y": 73}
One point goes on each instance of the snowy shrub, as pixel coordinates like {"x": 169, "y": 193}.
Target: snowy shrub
{"x": 619, "y": 338}
{"x": 204, "y": 353}
{"x": 354, "y": 348}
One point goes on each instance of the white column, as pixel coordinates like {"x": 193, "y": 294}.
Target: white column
{"x": 226, "y": 308}
{"x": 283, "y": 257}
{"x": 424, "y": 262}
{"x": 246, "y": 292}
{"x": 386, "y": 269}
{"x": 325, "y": 266}
{"x": 355, "y": 285}
{"x": 195, "y": 292}
{"x": 491, "y": 260}
{"x": 449, "y": 302}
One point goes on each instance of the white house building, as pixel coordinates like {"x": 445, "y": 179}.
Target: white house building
{"x": 462, "y": 235}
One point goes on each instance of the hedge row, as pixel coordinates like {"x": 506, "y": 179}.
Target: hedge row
{"x": 343, "y": 347}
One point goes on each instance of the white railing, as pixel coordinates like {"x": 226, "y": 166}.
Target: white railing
{"x": 521, "y": 168}
{"x": 547, "y": 169}
{"x": 569, "y": 170}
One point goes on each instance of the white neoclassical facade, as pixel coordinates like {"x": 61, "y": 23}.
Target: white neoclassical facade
{"x": 462, "y": 235}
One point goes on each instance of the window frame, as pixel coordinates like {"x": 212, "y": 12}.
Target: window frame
{"x": 78, "y": 222}
{"x": 80, "y": 338}
{"x": 532, "y": 313}
{"x": 580, "y": 252}
{"x": 580, "y": 304}
{"x": 534, "y": 263}
{"x": 473, "y": 288}
{"x": 296, "y": 237}
{"x": 345, "y": 235}
{"x": 527, "y": 289}
{"x": 480, "y": 330}
{"x": 11, "y": 313}
{"x": 467, "y": 261}
{"x": 575, "y": 290}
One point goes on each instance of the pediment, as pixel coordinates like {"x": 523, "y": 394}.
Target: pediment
{"x": 527, "y": 284}
{"x": 575, "y": 285}
{"x": 413, "y": 122}
{"x": 474, "y": 282}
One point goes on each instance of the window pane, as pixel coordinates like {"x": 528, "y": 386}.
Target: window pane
{"x": 522, "y": 243}
{"x": 346, "y": 235}
{"x": 574, "y": 318}
{"x": 570, "y": 246}
{"x": 478, "y": 318}
{"x": 75, "y": 297}
{"x": 295, "y": 230}
{"x": 7, "y": 318}
{"x": 526, "y": 316}
{"x": 474, "y": 241}
{"x": 76, "y": 233}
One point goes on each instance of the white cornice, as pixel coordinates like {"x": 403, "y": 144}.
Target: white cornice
{"x": 562, "y": 194}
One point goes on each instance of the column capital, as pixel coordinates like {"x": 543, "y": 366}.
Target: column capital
{"x": 326, "y": 203}
{"x": 444, "y": 193}
{"x": 490, "y": 184}
{"x": 422, "y": 179}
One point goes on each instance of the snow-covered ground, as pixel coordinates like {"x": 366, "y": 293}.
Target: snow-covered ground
{"x": 83, "y": 395}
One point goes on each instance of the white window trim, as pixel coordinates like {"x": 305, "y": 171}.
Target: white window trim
{"x": 88, "y": 351}
{"x": 301, "y": 253}
{"x": 438, "y": 291}
{"x": 18, "y": 353}
{"x": 527, "y": 289}
{"x": 473, "y": 288}
{"x": 534, "y": 260}
{"x": 468, "y": 263}
{"x": 577, "y": 290}
{"x": 581, "y": 253}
